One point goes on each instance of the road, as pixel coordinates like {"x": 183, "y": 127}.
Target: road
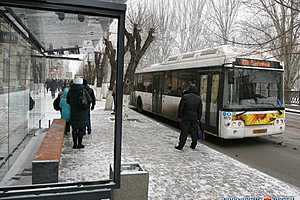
{"x": 278, "y": 155}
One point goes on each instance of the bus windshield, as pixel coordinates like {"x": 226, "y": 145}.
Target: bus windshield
{"x": 252, "y": 88}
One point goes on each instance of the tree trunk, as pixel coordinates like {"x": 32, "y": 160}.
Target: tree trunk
{"x": 99, "y": 68}
{"x": 111, "y": 53}
{"x": 113, "y": 66}
{"x": 129, "y": 76}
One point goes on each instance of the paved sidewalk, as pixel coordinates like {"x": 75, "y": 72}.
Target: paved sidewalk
{"x": 174, "y": 175}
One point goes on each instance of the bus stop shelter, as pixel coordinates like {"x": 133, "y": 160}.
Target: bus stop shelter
{"x": 101, "y": 189}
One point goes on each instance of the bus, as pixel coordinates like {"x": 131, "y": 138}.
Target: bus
{"x": 241, "y": 90}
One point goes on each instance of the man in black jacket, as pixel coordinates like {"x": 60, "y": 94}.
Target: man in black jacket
{"x": 189, "y": 115}
{"x": 78, "y": 113}
{"x": 93, "y": 98}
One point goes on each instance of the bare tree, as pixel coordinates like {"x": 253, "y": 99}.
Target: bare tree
{"x": 89, "y": 72}
{"x": 139, "y": 31}
{"x": 276, "y": 26}
{"x": 141, "y": 23}
{"x": 110, "y": 52}
{"x": 224, "y": 18}
{"x": 100, "y": 61}
{"x": 189, "y": 24}
{"x": 295, "y": 6}
{"x": 164, "y": 42}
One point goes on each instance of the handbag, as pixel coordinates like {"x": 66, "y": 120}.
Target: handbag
{"x": 200, "y": 133}
{"x": 56, "y": 103}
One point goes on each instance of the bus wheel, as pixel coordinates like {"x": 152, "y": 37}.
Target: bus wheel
{"x": 139, "y": 105}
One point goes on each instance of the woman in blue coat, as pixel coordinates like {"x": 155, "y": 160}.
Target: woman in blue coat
{"x": 65, "y": 109}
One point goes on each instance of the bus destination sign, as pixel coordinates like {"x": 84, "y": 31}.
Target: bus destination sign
{"x": 257, "y": 63}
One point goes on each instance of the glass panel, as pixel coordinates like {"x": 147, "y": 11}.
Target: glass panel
{"x": 170, "y": 87}
{"x": 4, "y": 66}
{"x": 185, "y": 78}
{"x": 61, "y": 30}
{"x": 214, "y": 100}
{"x": 250, "y": 88}
{"x": 147, "y": 83}
{"x": 38, "y": 68}
{"x": 203, "y": 95}
{"x": 139, "y": 81}
{"x": 74, "y": 40}
{"x": 20, "y": 55}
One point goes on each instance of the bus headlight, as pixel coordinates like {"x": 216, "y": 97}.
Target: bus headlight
{"x": 227, "y": 124}
{"x": 279, "y": 121}
{"x": 237, "y": 124}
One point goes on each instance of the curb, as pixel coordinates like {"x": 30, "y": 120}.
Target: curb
{"x": 292, "y": 111}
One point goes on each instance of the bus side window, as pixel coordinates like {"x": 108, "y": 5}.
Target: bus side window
{"x": 170, "y": 84}
{"x": 139, "y": 83}
{"x": 147, "y": 83}
{"x": 135, "y": 83}
{"x": 185, "y": 78}
{"x": 174, "y": 83}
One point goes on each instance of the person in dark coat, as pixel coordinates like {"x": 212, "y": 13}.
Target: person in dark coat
{"x": 78, "y": 113}
{"x": 53, "y": 87}
{"x": 47, "y": 84}
{"x": 92, "y": 95}
{"x": 189, "y": 115}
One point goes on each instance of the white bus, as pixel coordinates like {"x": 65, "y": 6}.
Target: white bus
{"x": 241, "y": 91}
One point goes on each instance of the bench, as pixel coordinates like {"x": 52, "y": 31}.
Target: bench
{"x": 46, "y": 162}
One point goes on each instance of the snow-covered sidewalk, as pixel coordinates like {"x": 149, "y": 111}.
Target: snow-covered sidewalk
{"x": 192, "y": 175}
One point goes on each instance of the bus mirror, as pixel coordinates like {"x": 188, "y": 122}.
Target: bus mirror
{"x": 230, "y": 77}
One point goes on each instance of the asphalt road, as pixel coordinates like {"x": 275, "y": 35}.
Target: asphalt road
{"x": 278, "y": 155}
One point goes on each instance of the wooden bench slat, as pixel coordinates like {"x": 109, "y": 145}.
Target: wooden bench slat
{"x": 46, "y": 162}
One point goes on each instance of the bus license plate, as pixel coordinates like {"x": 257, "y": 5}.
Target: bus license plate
{"x": 259, "y": 131}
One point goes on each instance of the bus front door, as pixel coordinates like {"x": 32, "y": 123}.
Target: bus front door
{"x": 209, "y": 93}
{"x": 157, "y": 94}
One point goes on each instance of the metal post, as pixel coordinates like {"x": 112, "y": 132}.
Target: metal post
{"x": 119, "y": 100}
{"x": 40, "y": 124}
{"x": 49, "y": 123}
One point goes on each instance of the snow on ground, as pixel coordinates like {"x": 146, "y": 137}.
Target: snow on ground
{"x": 200, "y": 174}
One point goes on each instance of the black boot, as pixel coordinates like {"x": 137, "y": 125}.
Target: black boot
{"x": 74, "y": 136}
{"x": 178, "y": 147}
{"x": 80, "y": 136}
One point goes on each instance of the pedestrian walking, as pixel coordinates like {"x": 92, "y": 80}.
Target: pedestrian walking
{"x": 77, "y": 100}
{"x": 114, "y": 99}
{"x": 53, "y": 88}
{"x": 91, "y": 107}
{"x": 47, "y": 85}
{"x": 31, "y": 102}
{"x": 189, "y": 115}
{"x": 65, "y": 109}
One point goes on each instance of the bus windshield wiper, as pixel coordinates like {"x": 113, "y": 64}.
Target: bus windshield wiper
{"x": 274, "y": 106}
{"x": 241, "y": 113}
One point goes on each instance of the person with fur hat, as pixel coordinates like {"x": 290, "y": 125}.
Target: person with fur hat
{"x": 189, "y": 115}
{"x": 78, "y": 112}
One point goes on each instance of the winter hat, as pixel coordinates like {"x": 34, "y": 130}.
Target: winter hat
{"x": 78, "y": 81}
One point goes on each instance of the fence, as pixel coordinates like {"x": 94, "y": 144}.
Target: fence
{"x": 292, "y": 97}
